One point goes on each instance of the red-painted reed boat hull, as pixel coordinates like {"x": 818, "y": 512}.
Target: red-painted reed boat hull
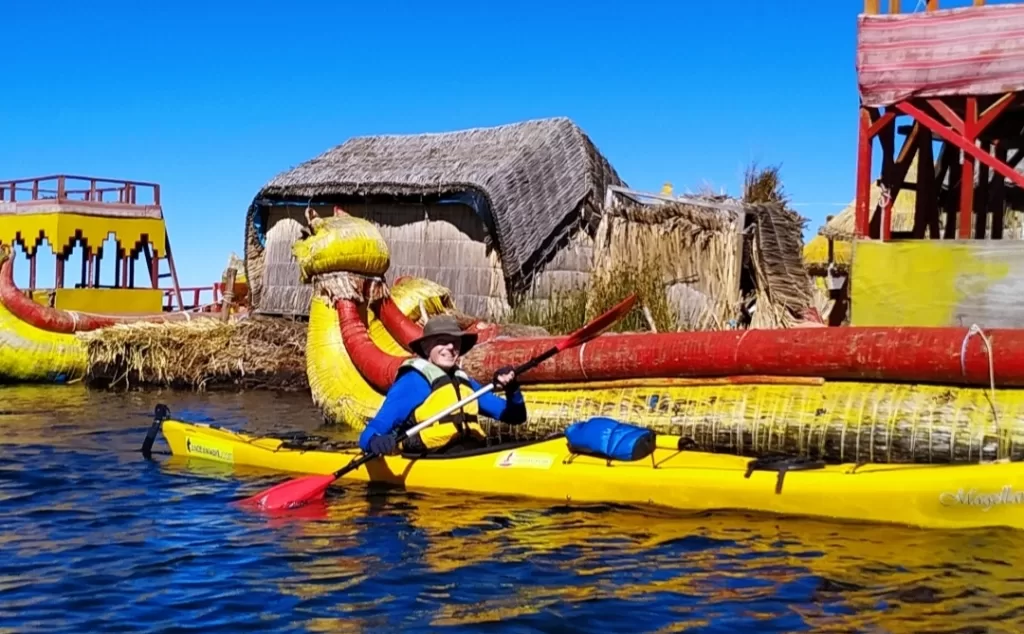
{"x": 63, "y": 321}
{"x": 888, "y": 354}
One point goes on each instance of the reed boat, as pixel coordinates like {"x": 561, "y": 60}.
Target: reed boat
{"x": 845, "y": 394}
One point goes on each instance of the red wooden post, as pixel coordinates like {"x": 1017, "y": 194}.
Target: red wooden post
{"x": 61, "y": 193}
{"x": 967, "y": 173}
{"x": 156, "y": 194}
{"x": 154, "y": 269}
{"x": 86, "y": 260}
{"x": 887, "y": 139}
{"x": 32, "y": 270}
{"x": 863, "y": 191}
{"x": 59, "y": 282}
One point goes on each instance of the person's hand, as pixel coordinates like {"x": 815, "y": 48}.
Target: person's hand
{"x": 383, "y": 444}
{"x": 505, "y": 379}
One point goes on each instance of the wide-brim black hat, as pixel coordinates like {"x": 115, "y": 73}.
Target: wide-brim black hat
{"x": 443, "y": 325}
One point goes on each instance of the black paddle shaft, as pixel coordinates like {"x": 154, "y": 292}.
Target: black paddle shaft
{"x": 537, "y": 360}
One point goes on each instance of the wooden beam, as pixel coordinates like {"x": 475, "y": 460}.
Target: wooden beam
{"x": 881, "y": 123}
{"x": 894, "y": 7}
{"x": 992, "y": 112}
{"x": 863, "y": 189}
{"x": 59, "y": 278}
{"x": 887, "y": 139}
{"x": 957, "y": 140}
{"x": 967, "y": 176}
{"x": 997, "y": 198}
{"x": 981, "y": 193}
{"x": 948, "y": 114}
{"x": 871, "y": 7}
{"x": 32, "y": 270}
{"x": 174, "y": 270}
{"x": 926, "y": 202}
{"x": 933, "y": 5}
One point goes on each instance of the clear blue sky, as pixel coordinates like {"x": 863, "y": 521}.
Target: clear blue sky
{"x": 213, "y": 99}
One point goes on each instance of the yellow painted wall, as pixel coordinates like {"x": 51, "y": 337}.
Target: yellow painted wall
{"x": 60, "y": 228}
{"x": 109, "y": 301}
{"x": 938, "y": 283}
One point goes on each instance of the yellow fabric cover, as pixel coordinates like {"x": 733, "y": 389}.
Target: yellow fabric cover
{"x": 342, "y": 243}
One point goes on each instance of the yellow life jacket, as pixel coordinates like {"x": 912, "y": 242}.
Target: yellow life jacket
{"x": 445, "y": 390}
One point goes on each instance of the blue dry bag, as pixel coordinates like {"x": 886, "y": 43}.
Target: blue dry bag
{"x": 610, "y": 439}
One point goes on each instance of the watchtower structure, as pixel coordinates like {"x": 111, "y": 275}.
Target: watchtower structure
{"x": 69, "y": 210}
{"x": 940, "y": 89}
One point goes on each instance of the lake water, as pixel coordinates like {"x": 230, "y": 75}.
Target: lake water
{"x": 97, "y": 539}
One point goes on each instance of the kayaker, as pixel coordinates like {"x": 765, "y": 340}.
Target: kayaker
{"x": 433, "y": 382}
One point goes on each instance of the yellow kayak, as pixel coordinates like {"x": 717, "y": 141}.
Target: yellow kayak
{"x": 927, "y": 496}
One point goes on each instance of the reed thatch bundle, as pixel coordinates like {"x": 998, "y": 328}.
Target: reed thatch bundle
{"x": 256, "y": 352}
{"x": 781, "y": 283}
{"x": 817, "y": 257}
{"x": 692, "y": 252}
{"x": 836, "y": 421}
{"x": 705, "y": 252}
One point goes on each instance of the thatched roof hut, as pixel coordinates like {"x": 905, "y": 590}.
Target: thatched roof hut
{"x": 490, "y": 213}
{"x": 722, "y": 263}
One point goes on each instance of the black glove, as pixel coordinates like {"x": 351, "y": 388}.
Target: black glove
{"x": 511, "y": 386}
{"x": 383, "y": 444}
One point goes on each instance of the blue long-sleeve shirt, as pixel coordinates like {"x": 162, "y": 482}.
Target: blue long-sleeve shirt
{"x": 412, "y": 388}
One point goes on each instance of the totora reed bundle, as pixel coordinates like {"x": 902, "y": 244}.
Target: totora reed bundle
{"x": 835, "y": 421}
{"x": 256, "y": 352}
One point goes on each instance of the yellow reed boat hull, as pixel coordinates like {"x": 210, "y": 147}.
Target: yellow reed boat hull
{"x": 927, "y": 496}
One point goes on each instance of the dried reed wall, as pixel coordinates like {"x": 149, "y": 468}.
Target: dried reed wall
{"x": 444, "y": 243}
{"x": 697, "y": 253}
{"x": 281, "y": 291}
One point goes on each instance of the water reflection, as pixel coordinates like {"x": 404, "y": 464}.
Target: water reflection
{"x": 96, "y": 538}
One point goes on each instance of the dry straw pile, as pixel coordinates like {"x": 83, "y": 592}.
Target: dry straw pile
{"x": 250, "y": 353}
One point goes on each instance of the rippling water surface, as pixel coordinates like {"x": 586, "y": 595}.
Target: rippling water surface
{"x": 95, "y": 538}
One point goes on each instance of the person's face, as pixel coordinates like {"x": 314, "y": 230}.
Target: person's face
{"x": 444, "y": 351}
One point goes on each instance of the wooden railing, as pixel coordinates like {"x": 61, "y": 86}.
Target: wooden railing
{"x": 195, "y": 293}
{"x": 62, "y": 187}
{"x": 873, "y": 7}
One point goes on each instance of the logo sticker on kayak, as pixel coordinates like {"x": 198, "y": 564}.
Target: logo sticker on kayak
{"x": 208, "y": 450}
{"x": 524, "y": 460}
{"x": 980, "y": 499}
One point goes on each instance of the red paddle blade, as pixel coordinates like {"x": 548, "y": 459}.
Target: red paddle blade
{"x": 291, "y": 494}
{"x": 598, "y": 325}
